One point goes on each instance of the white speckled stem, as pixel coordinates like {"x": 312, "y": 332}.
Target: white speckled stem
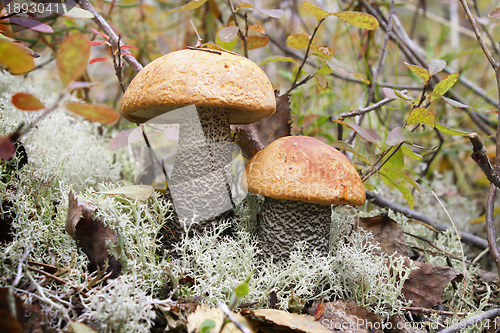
{"x": 201, "y": 176}
{"x": 284, "y": 222}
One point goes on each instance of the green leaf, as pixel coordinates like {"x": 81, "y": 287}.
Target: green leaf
{"x": 98, "y": 113}
{"x": 276, "y": 13}
{"x": 358, "y": 19}
{"x": 398, "y": 135}
{"x": 134, "y": 192}
{"x": 419, "y": 71}
{"x": 242, "y": 290}
{"x": 404, "y": 191}
{"x": 277, "y": 58}
{"x": 72, "y": 58}
{"x": 368, "y": 135}
{"x": 450, "y": 131}
{"x": 207, "y": 326}
{"x": 341, "y": 145}
{"x": 410, "y": 153}
{"x": 397, "y": 174}
{"x": 190, "y": 5}
{"x": 297, "y": 41}
{"x": 317, "y": 12}
{"x": 436, "y": 66}
{"x": 27, "y": 102}
{"x": 255, "y": 42}
{"x": 15, "y": 58}
{"x": 457, "y": 104}
{"x": 421, "y": 115}
{"x": 397, "y": 160}
{"x": 445, "y": 84}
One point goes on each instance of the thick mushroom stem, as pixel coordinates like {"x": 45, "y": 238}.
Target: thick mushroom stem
{"x": 201, "y": 176}
{"x": 284, "y": 222}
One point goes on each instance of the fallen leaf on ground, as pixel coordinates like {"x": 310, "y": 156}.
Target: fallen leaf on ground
{"x": 95, "y": 239}
{"x": 425, "y": 286}
{"x": 254, "y": 137}
{"x": 387, "y": 233}
{"x": 346, "y": 316}
{"x": 11, "y": 312}
{"x": 297, "y": 322}
{"x": 195, "y": 321}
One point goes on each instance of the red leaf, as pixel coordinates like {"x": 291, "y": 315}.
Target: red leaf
{"x": 100, "y": 33}
{"x": 98, "y": 60}
{"x": 27, "y": 102}
{"x": 123, "y": 47}
{"x": 96, "y": 42}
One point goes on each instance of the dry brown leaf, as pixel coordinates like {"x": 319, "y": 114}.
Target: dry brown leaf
{"x": 297, "y": 322}
{"x": 11, "y": 312}
{"x": 426, "y": 284}
{"x": 346, "y": 316}
{"x": 254, "y": 137}
{"x": 92, "y": 235}
{"x": 387, "y": 233}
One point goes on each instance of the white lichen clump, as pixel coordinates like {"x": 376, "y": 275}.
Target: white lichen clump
{"x": 352, "y": 271}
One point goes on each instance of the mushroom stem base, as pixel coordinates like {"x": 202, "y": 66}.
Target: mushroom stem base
{"x": 282, "y": 223}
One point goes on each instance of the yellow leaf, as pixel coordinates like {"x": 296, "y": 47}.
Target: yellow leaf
{"x": 317, "y": 12}
{"x": 255, "y": 42}
{"x": 190, "y": 5}
{"x": 72, "y": 58}
{"x": 14, "y": 58}
{"x": 98, "y": 113}
{"x": 358, "y": 19}
{"x": 297, "y": 41}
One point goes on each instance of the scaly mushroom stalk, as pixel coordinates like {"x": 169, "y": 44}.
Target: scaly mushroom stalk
{"x": 201, "y": 177}
{"x": 283, "y": 222}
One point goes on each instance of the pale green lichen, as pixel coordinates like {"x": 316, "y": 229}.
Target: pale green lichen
{"x": 352, "y": 271}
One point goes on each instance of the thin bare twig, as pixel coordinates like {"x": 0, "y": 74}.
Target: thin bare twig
{"x": 471, "y": 321}
{"x": 101, "y": 22}
{"x": 240, "y": 32}
{"x": 480, "y": 156}
{"x": 376, "y": 73}
{"x": 490, "y": 225}
{"x": 385, "y": 203}
{"x": 224, "y": 308}
{"x": 368, "y": 108}
{"x": 480, "y": 40}
{"x": 306, "y": 55}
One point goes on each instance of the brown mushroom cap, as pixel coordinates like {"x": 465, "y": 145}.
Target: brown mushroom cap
{"x": 302, "y": 168}
{"x": 187, "y": 77}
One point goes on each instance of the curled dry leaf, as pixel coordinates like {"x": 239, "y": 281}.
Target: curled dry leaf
{"x": 92, "y": 235}
{"x": 254, "y": 137}
{"x": 346, "y": 316}
{"x": 387, "y": 233}
{"x": 425, "y": 286}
